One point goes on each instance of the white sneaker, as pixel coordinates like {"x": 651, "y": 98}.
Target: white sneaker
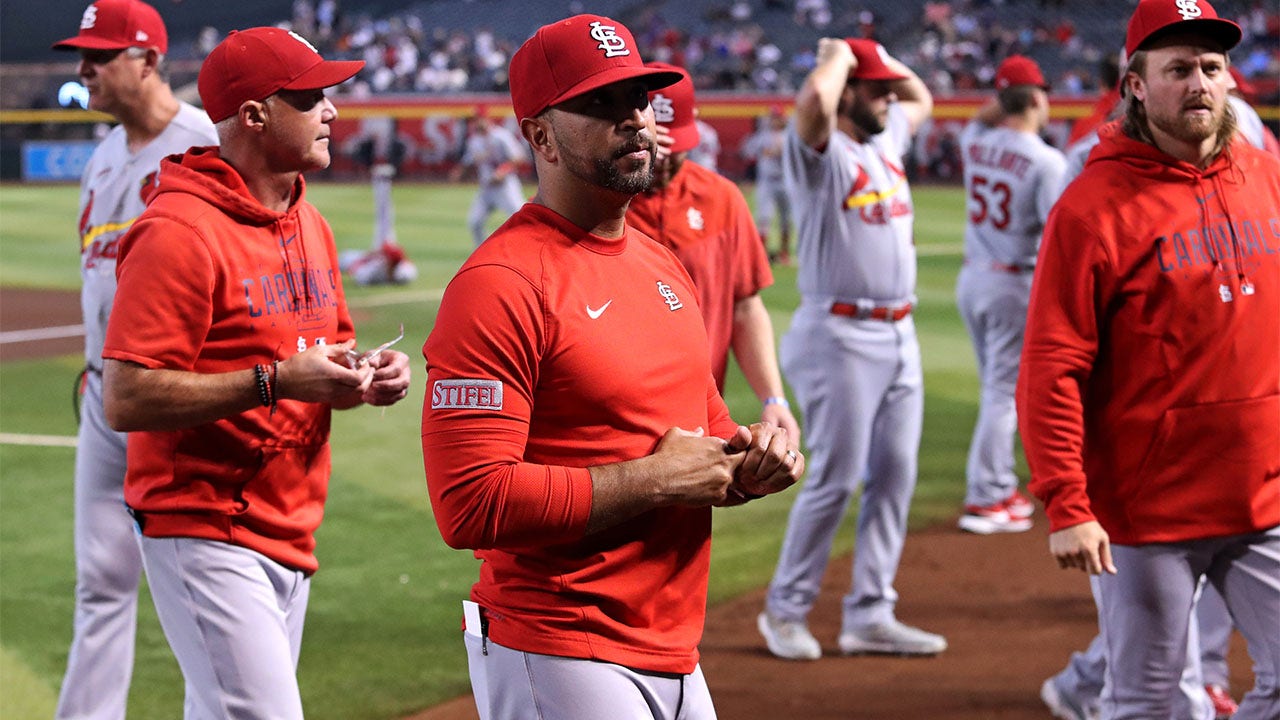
{"x": 1063, "y": 706}
{"x": 891, "y": 638}
{"x": 788, "y": 639}
{"x": 986, "y": 520}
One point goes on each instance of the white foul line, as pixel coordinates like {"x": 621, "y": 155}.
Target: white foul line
{"x": 48, "y": 333}
{"x": 70, "y": 331}
{"x": 37, "y": 440}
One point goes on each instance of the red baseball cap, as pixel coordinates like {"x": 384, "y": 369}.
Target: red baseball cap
{"x": 1156, "y": 18}
{"x": 257, "y": 63}
{"x": 116, "y": 25}
{"x": 673, "y": 108}
{"x": 1019, "y": 70}
{"x": 871, "y": 57}
{"x": 574, "y": 56}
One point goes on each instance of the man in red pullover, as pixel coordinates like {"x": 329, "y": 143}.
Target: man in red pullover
{"x": 704, "y": 219}
{"x": 1149, "y": 399}
{"x": 226, "y": 350}
{"x": 572, "y": 432}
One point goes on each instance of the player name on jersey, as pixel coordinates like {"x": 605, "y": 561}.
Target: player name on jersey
{"x": 999, "y": 158}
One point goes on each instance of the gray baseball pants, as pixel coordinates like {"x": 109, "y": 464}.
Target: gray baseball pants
{"x": 1144, "y": 608}
{"x": 513, "y": 685}
{"x": 233, "y": 618}
{"x": 861, "y": 388}
{"x": 108, "y": 570}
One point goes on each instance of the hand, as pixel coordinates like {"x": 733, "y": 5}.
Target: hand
{"x": 390, "y": 378}
{"x": 662, "y": 142}
{"x": 321, "y": 374}
{"x": 780, "y": 415}
{"x": 836, "y": 50}
{"x": 1086, "y": 546}
{"x": 693, "y": 469}
{"x": 770, "y": 465}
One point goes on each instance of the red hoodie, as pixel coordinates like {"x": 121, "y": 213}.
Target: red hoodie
{"x": 1149, "y": 391}
{"x": 212, "y": 281}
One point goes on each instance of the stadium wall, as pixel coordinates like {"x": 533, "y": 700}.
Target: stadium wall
{"x": 431, "y": 129}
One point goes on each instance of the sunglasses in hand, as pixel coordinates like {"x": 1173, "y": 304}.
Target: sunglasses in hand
{"x": 356, "y": 359}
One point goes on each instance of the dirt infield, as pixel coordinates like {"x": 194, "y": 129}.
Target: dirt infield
{"x": 27, "y": 309}
{"x": 1011, "y": 618}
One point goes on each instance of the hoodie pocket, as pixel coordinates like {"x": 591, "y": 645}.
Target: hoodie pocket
{"x": 1207, "y": 460}
{"x": 213, "y": 472}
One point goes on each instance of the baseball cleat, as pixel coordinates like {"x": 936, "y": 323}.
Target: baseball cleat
{"x": 1064, "y": 706}
{"x": 1223, "y": 706}
{"x": 788, "y": 639}
{"x": 1019, "y": 506}
{"x": 890, "y": 638}
{"x": 990, "y": 519}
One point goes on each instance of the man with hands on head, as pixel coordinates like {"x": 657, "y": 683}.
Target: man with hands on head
{"x": 851, "y": 354}
{"x": 225, "y": 352}
{"x": 572, "y": 433}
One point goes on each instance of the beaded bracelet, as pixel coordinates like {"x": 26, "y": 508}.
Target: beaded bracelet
{"x": 275, "y": 375}
{"x": 264, "y": 388}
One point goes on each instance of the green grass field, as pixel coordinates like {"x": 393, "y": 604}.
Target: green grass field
{"x": 382, "y": 630}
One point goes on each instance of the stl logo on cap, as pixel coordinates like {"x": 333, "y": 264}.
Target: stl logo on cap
{"x": 1189, "y": 9}
{"x": 664, "y": 110}
{"x": 90, "y": 17}
{"x": 611, "y": 43}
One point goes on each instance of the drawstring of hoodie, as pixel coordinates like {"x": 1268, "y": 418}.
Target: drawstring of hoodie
{"x": 1206, "y": 233}
{"x": 1231, "y": 228}
{"x": 290, "y": 274}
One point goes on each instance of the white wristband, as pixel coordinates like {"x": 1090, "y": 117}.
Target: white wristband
{"x": 777, "y": 400}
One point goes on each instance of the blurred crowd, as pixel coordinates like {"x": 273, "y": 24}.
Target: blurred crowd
{"x": 767, "y": 46}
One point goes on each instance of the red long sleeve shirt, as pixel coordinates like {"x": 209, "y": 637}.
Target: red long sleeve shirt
{"x": 703, "y": 218}
{"x": 555, "y": 350}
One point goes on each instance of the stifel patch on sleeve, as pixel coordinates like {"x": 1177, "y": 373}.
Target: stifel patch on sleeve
{"x": 466, "y": 395}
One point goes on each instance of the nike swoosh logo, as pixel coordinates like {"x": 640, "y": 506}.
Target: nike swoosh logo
{"x": 593, "y": 314}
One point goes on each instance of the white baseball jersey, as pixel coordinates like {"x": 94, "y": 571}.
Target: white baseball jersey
{"x": 854, "y": 215}
{"x": 113, "y": 193}
{"x": 707, "y": 151}
{"x": 1011, "y": 180}
{"x": 486, "y": 151}
{"x": 1248, "y": 122}
{"x": 765, "y": 147}
{"x": 1077, "y": 156}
